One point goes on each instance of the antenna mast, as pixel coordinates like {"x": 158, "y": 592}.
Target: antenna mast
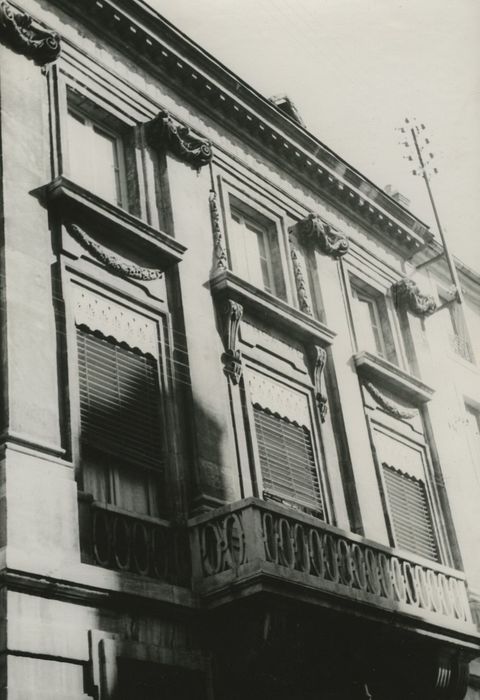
{"x": 414, "y": 130}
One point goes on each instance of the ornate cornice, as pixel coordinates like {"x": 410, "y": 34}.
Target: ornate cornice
{"x": 221, "y": 260}
{"x": 232, "y": 357}
{"x": 18, "y": 31}
{"x": 110, "y": 260}
{"x": 313, "y": 231}
{"x": 164, "y": 133}
{"x": 408, "y": 297}
{"x": 389, "y": 406}
{"x": 318, "y": 357}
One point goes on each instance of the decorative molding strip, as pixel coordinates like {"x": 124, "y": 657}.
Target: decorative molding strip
{"x": 164, "y": 132}
{"x": 389, "y": 406}
{"x": 302, "y": 294}
{"x": 232, "y": 357}
{"x": 19, "y": 33}
{"x": 313, "y": 231}
{"x": 110, "y": 260}
{"x": 318, "y": 357}
{"x": 218, "y": 240}
{"x": 407, "y": 296}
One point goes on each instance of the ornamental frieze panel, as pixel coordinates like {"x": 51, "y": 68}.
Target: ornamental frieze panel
{"x": 313, "y": 231}
{"x": 112, "y": 262}
{"x": 165, "y": 134}
{"x": 220, "y": 251}
{"x": 391, "y": 407}
{"x": 19, "y": 32}
{"x": 408, "y": 297}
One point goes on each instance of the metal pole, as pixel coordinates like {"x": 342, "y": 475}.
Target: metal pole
{"x": 450, "y": 261}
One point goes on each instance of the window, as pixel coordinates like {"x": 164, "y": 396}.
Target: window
{"x": 150, "y": 681}
{"x": 284, "y": 445}
{"x": 121, "y": 438}
{"x": 254, "y": 249}
{"x": 371, "y": 324}
{"x": 473, "y": 432}
{"x": 409, "y": 506}
{"x": 457, "y": 330}
{"x": 96, "y": 156}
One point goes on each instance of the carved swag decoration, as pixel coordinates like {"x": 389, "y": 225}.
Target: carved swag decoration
{"x": 110, "y": 260}
{"x": 18, "y": 31}
{"x": 232, "y": 357}
{"x": 318, "y": 358}
{"x": 164, "y": 133}
{"x": 221, "y": 260}
{"x": 389, "y": 406}
{"x": 408, "y": 297}
{"x": 312, "y": 231}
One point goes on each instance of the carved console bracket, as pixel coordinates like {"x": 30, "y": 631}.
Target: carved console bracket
{"x": 389, "y": 406}
{"x": 407, "y": 297}
{"x": 232, "y": 357}
{"x": 318, "y": 358}
{"x": 164, "y": 133}
{"x": 18, "y": 31}
{"x": 313, "y": 231}
{"x": 221, "y": 260}
{"x": 110, "y": 260}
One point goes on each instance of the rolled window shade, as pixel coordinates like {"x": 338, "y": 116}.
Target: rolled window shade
{"x": 410, "y": 512}
{"x": 119, "y": 399}
{"x": 287, "y": 461}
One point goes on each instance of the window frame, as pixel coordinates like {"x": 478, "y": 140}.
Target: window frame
{"x": 264, "y": 211}
{"x": 400, "y": 431}
{"x": 120, "y": 169}
{"x": 120, "y": 294}
{"x": 255, "y": 469}
{"x": 457, "y": 335}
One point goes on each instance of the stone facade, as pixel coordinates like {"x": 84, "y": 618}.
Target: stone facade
{"x": 240, "y": 417}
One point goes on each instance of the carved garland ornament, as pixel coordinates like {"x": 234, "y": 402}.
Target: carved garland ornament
{"x": 407, "y": 296}
{"x": 319, "y": 360}
{"x": 389, "y": 406}
{"x": 302, "y": 294}
{"x": 314, "y": 231}
{"x": 218, "y": 241}
{"x": 18, "y": 32}
{"x": 163, "y": 133}
{"x": 232, "y": 357}
{"x": 111, "y": 261}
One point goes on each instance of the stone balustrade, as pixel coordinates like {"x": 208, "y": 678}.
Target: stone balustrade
{"x": 253, "y": 539}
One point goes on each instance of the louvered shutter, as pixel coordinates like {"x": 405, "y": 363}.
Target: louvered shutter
{"x": 410, "y": 512}
{"x": 119, "y": 400}
{"x": 287, "y": 461}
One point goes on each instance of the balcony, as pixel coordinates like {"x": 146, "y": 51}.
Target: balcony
{"x": 254, "y": 547}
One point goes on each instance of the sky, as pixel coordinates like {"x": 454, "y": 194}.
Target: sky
{"x": 355, "y": 69}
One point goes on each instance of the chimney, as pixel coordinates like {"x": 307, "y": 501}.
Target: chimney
{"x": 397, "y": 196}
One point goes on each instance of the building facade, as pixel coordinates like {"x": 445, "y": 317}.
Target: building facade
{"x": 240, "y": 401}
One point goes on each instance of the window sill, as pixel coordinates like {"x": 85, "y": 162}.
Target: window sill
{"x": 271, "y": 310}
{"x": 80, "y": 206}
{"x": 392, "y": 377}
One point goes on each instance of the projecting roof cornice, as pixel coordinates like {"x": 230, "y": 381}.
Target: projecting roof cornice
{"x": 133, "y": 26}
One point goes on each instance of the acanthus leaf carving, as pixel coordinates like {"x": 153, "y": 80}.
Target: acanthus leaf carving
{"x": 218, "y": 240}
{"x": 112, "y": 261}
{"x": 318, "y": 358}
{"x": 407, "y": 296}
{"x": 164, "y": 133}
{"x": 389, "y": 406}
{"x": 232, "y": 357}
{"x": 313, "y": 231}
{"x": 18, "y": 31}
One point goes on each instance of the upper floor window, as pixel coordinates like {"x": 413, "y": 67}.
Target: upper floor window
{"x": 457, "y": 331}
{"x": 254, "y": 248}
{"x": 371, "y": 321}
{"x": 285, "y": 454}
{"x": 121, "y": 435}
{"x": 96, "y": 158}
